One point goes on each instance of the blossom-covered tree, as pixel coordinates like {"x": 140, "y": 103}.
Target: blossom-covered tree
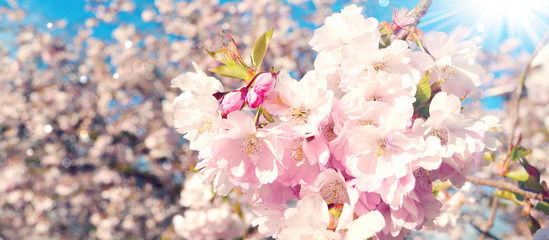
{"x": 358, "y": 129}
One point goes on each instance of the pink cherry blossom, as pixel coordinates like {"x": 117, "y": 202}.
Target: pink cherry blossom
{"x": 253, "y": 99}
{"x": 341, "y": 28}
{"x": 233, "y": 101}
{"x": 264, "y": 83}
{"x": 349, "y": 151}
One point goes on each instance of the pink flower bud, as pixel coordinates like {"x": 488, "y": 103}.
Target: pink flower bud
{"x": 232, "y": 101}
{"x": 264, "y": 83}
{"x": 253, "y": 99}
{"x": 402, "y": 19}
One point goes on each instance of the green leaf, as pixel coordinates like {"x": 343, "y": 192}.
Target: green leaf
{"x": 533, "y": 181}
{"x": 267, "y": 115}
{"x": 519, "y": 197}
{"x": 260, "y": 48}
{"x": 423, "y": 93}
{"x": 533, "y": 224}
{"x": 543, "y": 206}
{"x": 519, "y": 152}
{"x": 423, "y": 110}
{"x": 229, "y": 54}
{"x": 507, "y": 195}
{"x": 233, "y": 71}
{"x": 518, "y": 175}
{"x": 223, "y": 55}
{"x": 489, "y": 156}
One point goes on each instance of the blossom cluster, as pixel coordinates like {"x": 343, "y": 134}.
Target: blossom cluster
{"x": 206, "y": 217}
{"x": 87, "y": 147}
{"x": 351, "y": 150}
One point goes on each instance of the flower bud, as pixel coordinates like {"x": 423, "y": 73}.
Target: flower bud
{"x": 253, "y": 99}
{"x": 402, "y": 19}
{"x": 232, "y": 101}
{"x": 264, "y": 83}
{"x": 526, "y": 209}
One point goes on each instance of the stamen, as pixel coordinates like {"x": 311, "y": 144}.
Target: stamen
{"x": 328, "y": 131}
{"x": 382, "y": 149}
{"x": 251, "y": 145}
{"x": 365, "y": 122}
{"x": 333, "y": 192}
{"x": 374, "y": 98}
{"x": 299, "y": 115}
{"x": 207, "y": 126}
{"x": 441, "y": 134}
{"x": 296, "y": 149}
{"x": 445, "y": 72}
{"x": 379, "y": 66}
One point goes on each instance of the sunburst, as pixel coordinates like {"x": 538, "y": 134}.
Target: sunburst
{"x": 492, "y": 21}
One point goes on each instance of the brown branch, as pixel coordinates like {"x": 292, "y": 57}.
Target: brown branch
{"x": 507, "y": 186}
{"x": 416, "y": 14}
{"x": 491, "y": 219}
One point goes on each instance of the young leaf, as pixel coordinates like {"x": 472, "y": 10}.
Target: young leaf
{"x": 519, "y": 152}
{"x": 543, "y": 206}
{"x": 234, "y": 71}
{"x": 533, "y": 181}
{"x": 519, "y": 197}
{"x": 228, "y": 55}
{"x": 267, "y": 116}
{"x": 423, "y": 93}
{"x": 518, "y": 175}
{"x": 533, "y": 224}
{"x": 507, "y": 195}
{"x": 488, "y": 156}
{"x": 260, "y": 48}
{"x": 222, "y": 55}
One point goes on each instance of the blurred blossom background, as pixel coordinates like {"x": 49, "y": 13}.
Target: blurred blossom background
{"x": 87, "y": 145}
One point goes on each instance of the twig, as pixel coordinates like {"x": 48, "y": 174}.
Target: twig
{"x": 492, "y": 217}
{"x": 416, "y": 14}
{"x": 482, "y": 231}
{"x": 507, "y": 186}
{"x": 520, "y": 88}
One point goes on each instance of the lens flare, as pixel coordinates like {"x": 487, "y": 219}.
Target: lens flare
{"x": 492, "y": 20}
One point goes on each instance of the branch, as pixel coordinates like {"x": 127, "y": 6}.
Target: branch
{"x": 507, "y": 186}
{"x": 416, "y": 14}
{"x": 520, "y": 87}
{"x": 491, "y": 219}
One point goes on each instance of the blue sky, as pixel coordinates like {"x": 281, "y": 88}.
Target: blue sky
{"x": 490, "y": 21}
{"x": 500, "y": 19}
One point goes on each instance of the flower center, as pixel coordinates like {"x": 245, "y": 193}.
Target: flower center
{"x": 333, "y": 192}
{"x": 207, "y": 126}
{"x": 328, "y": 131}
{"x": 382, "y": 149}
{"x": 379, "y": 66}
{"x": 441, "y": 134}
{"x": 299, "y": 115}
{"x": 445, "y": 72}
{"x": 365, "y": 122}
{"x": 251, "y": 145}
{"x": 296, "y": 149}
{"x": 374, "y": 97}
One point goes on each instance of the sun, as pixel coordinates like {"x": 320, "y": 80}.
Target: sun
{"x": 492, "y": 21}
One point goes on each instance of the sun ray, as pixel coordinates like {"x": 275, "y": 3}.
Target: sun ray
{"x": 492, "y": 21}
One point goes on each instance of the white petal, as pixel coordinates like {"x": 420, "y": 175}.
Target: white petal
{"x": 365, "y": 226}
